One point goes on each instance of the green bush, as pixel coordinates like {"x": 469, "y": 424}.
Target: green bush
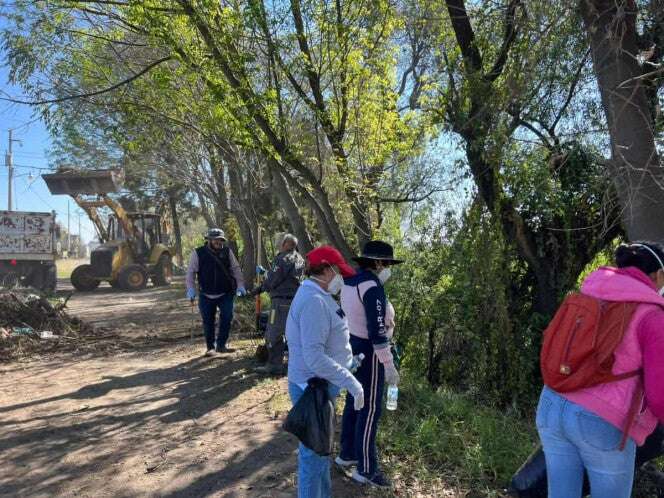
{"x": 461, "y": 320}
{"x": 436, "y": 432}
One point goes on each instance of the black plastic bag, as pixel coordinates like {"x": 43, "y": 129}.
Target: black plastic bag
{"x": 530, "y": 480}
{"x": 312, "y": 419}
{"x": 652, "y": 448}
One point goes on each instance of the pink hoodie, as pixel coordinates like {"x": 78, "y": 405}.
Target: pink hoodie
{"x": 642, "y": 347}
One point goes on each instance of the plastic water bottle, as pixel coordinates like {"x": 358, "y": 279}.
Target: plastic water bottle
{"x": 392, "y": 397}
{"x": 357, "y": 361}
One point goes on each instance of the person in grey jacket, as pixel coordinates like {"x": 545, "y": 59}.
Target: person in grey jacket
{"x": 282, "y": 282}
{"x": 319, "y": 346}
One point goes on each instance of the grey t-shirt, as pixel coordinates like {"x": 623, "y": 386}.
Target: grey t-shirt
{"x": 318, "y": 338}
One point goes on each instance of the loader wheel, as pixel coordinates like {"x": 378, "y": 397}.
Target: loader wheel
{"x": 163, "y": 271}
{"x": 83, "y": 279}
{"x": 133, "y": 278}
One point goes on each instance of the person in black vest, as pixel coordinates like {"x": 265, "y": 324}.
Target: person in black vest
{"x": 219, "y": 280}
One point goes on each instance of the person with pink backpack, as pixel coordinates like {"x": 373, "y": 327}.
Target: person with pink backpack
{"x": 603, "y": 373}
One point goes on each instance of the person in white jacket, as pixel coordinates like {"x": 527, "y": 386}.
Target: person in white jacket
{"x": 371, "y": 320}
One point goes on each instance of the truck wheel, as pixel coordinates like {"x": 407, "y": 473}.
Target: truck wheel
{"x": 10, "y": 280}
{"x": 163, "y": 271}
{"x": 36, "y": 278}
{"x": 83, "y": 279}
{"x": 133, "y": 278}
{"x": 50, "y": 278}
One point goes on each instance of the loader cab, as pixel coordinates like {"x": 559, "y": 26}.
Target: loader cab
{"x": 148, "y": 228}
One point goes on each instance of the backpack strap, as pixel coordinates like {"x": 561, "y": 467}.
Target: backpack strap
{"x": 626, "y": 375}
{"x": 219, "y": 264}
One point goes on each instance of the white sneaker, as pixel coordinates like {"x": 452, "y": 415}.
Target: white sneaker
{"x": 379, "y": 480}
{"x": 211, "y": 353}
{"x": 344, "y": 463}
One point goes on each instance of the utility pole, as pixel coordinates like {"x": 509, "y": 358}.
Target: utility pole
{"x": 80, "y": 237}
{"x": 10, "y": 169}
{"x": 68, "y": 233}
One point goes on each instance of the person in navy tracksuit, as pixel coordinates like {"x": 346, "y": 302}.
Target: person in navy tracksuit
{"x": 369, "y": 314}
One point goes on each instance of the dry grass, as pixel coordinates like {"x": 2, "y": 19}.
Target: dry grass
{"x": 66, "y": 266}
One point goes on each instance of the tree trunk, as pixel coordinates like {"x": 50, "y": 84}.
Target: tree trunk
{"x": 205, "y": 211}
{"x": 221, "y": 207}
{"x": 296, "y": 221}
{"x": 176, "y": 228}
{"x": 245, "y": 224}
{"x": 327, "y": 222}
{"x": 634, "y": 165}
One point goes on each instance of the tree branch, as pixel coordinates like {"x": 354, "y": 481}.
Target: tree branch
{"x": 570, "y": 93}
{"x": 91, "y": 94}
{"x": 408, "y": 198}
{"x": 116, "y": 3}
{"x": 463, "y": 31}
{"x": 508, "y": 40}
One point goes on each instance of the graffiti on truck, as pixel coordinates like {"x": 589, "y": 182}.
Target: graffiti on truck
{"x": 25, "y": 233}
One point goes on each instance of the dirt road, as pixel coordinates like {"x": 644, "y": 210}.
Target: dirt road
{"x": 139, "y": 412}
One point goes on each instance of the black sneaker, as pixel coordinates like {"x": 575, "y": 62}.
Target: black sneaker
{"x": 225, "y": 350}
{"x": 378, "y": 480}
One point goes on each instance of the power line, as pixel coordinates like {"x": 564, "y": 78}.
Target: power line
{"x": 40, "y": 168}
{"x": 30, "y": 155}
{"x": 41, "y": 198}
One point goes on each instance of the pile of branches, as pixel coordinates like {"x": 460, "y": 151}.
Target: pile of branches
{"x": 24, "y": 316}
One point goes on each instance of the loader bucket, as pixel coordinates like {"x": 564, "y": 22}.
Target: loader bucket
{"x": 100, "y": 181}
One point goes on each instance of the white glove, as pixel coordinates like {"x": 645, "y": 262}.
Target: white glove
{"x": 391, "y": 375}
{"x": 357, "y": 393}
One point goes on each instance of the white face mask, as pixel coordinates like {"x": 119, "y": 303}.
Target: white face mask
{"x": 384, "y": 275}
{"x": 335, "y": 285}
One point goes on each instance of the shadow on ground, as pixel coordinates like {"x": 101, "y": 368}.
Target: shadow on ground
{"x": 139, "y": 412}
{"x": 195, "y": 428}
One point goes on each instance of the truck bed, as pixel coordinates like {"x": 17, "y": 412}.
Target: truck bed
{"x": 27, "y": 235}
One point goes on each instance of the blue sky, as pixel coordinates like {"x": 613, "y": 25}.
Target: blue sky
{"x": 30, "y": 158}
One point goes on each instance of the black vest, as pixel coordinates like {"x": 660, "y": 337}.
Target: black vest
{"x": 214, "y": 271}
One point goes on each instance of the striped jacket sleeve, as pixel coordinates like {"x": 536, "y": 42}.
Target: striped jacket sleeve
{"x": 375, "y": 306}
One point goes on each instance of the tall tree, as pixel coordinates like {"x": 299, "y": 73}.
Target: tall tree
{"x": 623, "y": 77}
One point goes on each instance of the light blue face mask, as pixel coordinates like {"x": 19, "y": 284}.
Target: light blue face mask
{"x": 661, "y": 265}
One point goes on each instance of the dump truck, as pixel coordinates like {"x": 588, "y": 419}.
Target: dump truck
{"x": 28, "y": 250}
{"x": 133, "y": 245}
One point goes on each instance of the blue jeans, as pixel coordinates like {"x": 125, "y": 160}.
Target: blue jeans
{"x": 575, "y": 439}
{"x": 313, "y": 471}
{"x": 208, "y": 308}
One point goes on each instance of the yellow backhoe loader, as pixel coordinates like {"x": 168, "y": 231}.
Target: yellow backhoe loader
{"x": 134, "y": 245}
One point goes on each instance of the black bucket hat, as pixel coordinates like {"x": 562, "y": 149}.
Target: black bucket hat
{"x": 378, "y": 250}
